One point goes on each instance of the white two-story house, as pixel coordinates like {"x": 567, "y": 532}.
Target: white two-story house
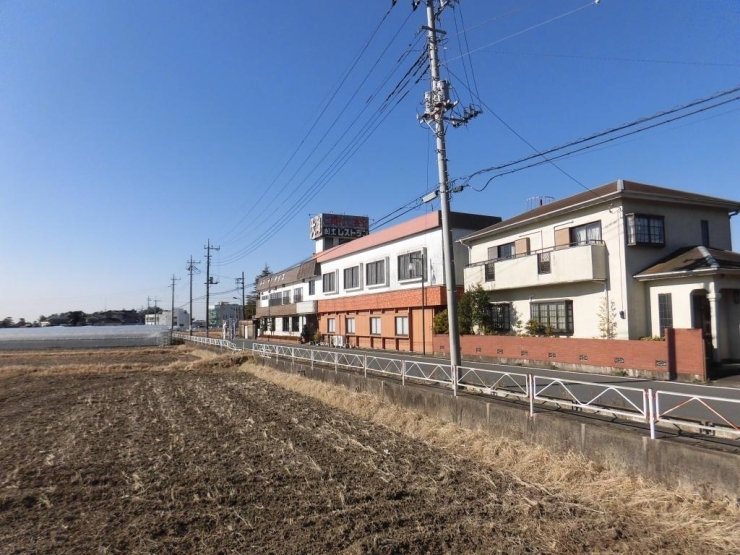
{"x": 625, "y": 260}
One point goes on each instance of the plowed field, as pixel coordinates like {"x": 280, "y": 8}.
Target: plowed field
{"x": 135, "y": 452}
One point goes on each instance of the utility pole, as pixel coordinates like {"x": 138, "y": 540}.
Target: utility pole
{"x": 172, "y": 310}
{"x": 191, "y": 268}
{"x": 156, "y": 316}
{"x": 436, "y": 104}
{"x": 240, "y": 281}
{"x": 209, "y": 280}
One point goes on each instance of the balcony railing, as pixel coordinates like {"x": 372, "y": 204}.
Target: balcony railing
{"x": 564, "y": 264}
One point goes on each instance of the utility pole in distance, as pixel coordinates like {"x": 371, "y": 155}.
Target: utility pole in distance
{"x": 191, "y": 268}
{"x": 240, "y": 281}
{"x": 436, "y": 104}
{"x": 209, "y": 279}
{"x": 172, "y": 309}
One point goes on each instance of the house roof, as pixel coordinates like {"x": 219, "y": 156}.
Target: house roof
{"x": 309, "y": 268}
{"x": 616, "y": 189}
{"x": 692, "y": 260}
{"x": 432, "y": 220}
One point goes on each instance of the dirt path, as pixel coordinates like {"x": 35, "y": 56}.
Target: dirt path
{"x": 215, "y": 460}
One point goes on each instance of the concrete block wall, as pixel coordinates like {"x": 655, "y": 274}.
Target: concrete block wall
{"x": 694, "y": 466}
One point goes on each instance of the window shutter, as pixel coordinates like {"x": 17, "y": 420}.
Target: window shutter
{"x": 562, "y": 237}
{"x": 492, "y": 253}
{"x": 521, "y": 246}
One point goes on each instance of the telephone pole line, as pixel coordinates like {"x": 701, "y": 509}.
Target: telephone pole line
{"x": 172, "y": 309}
{"x": 192, "y": 268}
{"x": 155, "y": 300}
{"x": 240, "y": 281}
{"x": 436, "y": 104}
{"x": 209, "y": 280}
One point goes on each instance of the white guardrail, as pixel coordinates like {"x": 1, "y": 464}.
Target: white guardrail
{"x": 695, "y": 413}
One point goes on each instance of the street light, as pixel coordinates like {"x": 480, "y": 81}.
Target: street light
{"x": 421, "y": 259}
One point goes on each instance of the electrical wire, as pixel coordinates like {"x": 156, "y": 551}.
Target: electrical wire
{"x": 326, "y": 103}
{"x": 606, "y": 140}
{"x": 259, "y": 222}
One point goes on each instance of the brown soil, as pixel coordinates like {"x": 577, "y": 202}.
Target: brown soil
{"x": 201, "y": 457}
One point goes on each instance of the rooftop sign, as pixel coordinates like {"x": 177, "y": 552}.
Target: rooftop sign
{"x": 339, "y": 225}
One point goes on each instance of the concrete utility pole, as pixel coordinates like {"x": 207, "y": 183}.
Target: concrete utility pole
{"x": 209, "y": 279}
{"x": 436, "y": 104}
{"x": 156, "y": 316}
{"x": 240, "y": 281}
{"x": 172, "y": 309}
{"x": 191, "y": 268}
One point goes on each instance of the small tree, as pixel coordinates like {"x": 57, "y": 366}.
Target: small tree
{"x": 516, "y": 320}
{"x": 7, "y": 322}
{"x": 607, "y": 315}
{"x": 480, "y": 309}
{"x": 441, "y": 324}
{"x": 533, "y": 327}
{"x": 465, "y": 314}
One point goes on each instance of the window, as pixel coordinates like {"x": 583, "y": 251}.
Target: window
{"x": 586, "y": 234}
{"x": 286, "y": 323}
{"x": 705, "y": 233}
{"x": 665, "y": 312}
{"x": 555, "y": 317}
{"x": 350, "y": 325}
{"x": 375, "y": 326}
{"x": 410, "y": 265}
{"x": 331, "y": 325}
{"x": 645, "y": 230}
{"x": 352, "y": 277}
{"x": 294, "y": 321}
{"x": 312, "y": 287}
{"x": 506, "y": 251}
{"x": 276, "y": 299}
{"x": 501, "y": 317}
{"x": 402, "y": 325}
{"x": 490, "y": 271}
{"x": 330, "y": 282}
{"x": 286, "y": 297}
{"x": 297, "y": 295}
{"x": 543, "y": 263}
{"x": 375, "y": 273}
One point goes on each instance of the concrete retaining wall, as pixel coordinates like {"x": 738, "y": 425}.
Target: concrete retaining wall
{"x": 677, "y": 462}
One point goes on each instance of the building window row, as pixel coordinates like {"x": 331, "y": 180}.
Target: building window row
{"x": 375, "y": 273}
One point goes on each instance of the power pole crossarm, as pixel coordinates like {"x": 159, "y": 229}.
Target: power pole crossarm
{"x": 191, "y": 268}
{"x": 209, "y": 248}
{"x": 437, "y": 103}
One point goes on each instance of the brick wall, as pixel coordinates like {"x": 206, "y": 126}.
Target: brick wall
{"x": 435, "y": 296}
{"x": 681, "y": 355}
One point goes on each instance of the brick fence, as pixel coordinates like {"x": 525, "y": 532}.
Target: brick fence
{"x": 680, "y": 356}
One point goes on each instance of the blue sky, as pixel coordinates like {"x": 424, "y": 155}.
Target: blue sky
{"x": 132, "y": 132}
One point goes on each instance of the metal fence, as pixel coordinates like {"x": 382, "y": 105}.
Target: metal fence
{"x": 690, "y": 413}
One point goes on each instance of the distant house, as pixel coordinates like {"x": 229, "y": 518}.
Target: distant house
{"x": 661, "y": 257}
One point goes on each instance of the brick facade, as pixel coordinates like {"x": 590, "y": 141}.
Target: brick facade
{"x": 386, "y": 306}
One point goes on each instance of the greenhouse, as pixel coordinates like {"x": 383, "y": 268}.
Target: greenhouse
{"x": 86, "y": 337}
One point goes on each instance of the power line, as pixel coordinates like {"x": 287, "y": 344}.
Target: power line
{"x": 606, "y": 140}
{"x": 609, "y": 131}
{"x": 307, "y": 158}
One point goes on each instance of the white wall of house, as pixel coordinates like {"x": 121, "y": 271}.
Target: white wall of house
{"x": 165, "y": 319}
{"x": 429, "y": 242}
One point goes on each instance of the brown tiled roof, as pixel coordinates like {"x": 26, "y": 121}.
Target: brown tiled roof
{"x": 604, "y": 193}
{"x": 693, "y": 259}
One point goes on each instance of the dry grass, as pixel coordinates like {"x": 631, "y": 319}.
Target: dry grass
{"x": 710, "y": 522}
